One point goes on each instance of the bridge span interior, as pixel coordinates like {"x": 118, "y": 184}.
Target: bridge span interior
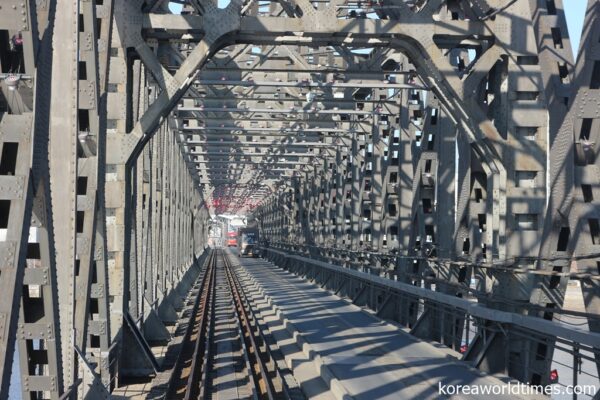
{"x": 423, "y": 174}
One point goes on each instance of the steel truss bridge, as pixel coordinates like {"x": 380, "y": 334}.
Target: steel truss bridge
{"x": 434, "y": 161}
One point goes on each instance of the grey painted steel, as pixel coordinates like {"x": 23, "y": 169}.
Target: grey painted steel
{"x": 447, "y": 146}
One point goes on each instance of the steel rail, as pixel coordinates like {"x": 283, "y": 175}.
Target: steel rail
{"x": 180, "y": 383}
{"x": 257, "y": 384}
{"x": 255, "y": 343}
{"x": 198, "y": 361}
{"x": 266, "y": 354}
{"x": 191, "y": 378}
{"x": 205, "y": 389}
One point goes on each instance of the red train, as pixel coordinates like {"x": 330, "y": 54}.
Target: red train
{"x": 231, "y": 239}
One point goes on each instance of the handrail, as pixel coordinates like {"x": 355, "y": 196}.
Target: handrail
{"x": 537, "y": 325}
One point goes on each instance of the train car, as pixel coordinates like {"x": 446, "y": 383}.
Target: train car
{"x": 247, "y": 242}
{"x": 232, "y": 239}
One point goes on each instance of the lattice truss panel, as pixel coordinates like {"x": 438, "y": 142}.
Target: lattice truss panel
{"x": 437, "y": 143}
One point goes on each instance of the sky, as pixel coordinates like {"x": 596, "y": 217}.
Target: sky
{"x": 175, "y": 8}
{"x": 574, "y": 10}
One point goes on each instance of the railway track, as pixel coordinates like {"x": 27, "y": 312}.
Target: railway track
{"x": 225, "y": 354}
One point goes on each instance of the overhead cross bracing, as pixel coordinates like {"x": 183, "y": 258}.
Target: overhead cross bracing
{"x": 447, "y": 146}
{"x": 293, "y": 106}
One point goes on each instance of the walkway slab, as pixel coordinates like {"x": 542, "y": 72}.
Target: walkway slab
{"x": 363, "y": 356}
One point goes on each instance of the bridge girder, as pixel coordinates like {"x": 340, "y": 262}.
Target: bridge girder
{"x": 448, "y": 140}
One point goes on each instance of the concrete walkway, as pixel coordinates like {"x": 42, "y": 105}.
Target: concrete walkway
{"x": 358, "y": 355}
